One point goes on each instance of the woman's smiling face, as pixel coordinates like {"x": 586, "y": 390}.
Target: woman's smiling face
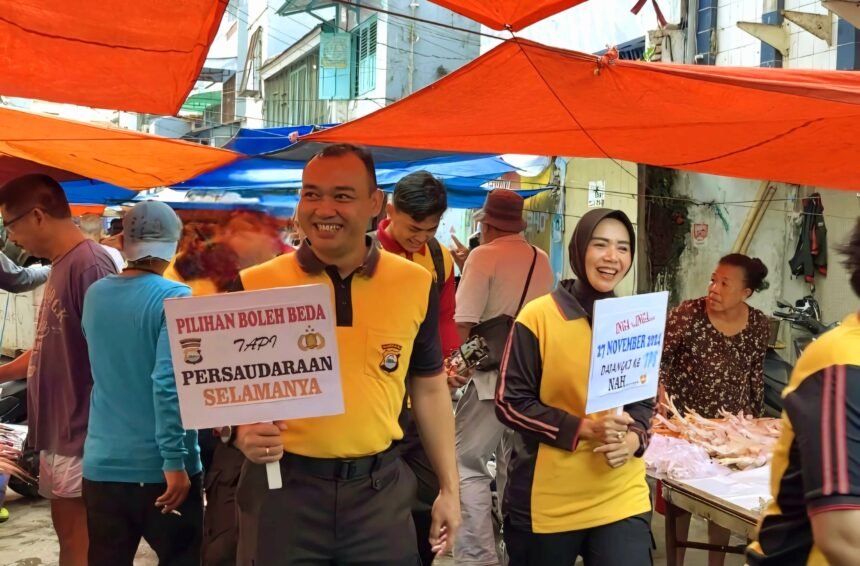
{"x": 608, "y": 256}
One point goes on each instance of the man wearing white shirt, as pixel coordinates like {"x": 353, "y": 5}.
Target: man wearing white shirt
{"x": 91, "y": 226}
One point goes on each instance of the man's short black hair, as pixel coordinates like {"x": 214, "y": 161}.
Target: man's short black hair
{"x": 420, "y": 195}
{"x": 36, "y": 191}
{"x": 115, "y": 227}
{"x": 361, "y": 152}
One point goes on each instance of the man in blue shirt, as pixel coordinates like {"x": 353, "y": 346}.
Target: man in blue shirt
{"x": 142, "y": 471}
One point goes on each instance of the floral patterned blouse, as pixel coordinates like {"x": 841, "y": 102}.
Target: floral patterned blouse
{"x": 705, "y": 370}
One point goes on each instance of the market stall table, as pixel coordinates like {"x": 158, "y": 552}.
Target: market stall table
{"x": 733, "y": 501}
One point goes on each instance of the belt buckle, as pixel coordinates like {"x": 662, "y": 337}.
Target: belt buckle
{"x": 346, "y": 470}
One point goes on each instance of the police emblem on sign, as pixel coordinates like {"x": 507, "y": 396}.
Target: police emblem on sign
{"x": 311, "y": 340}
{"x": 191, "y": 347}
{"x": 390, "y": 357}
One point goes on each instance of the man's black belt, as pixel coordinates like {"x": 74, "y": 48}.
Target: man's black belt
{"x": 341, "y": 469}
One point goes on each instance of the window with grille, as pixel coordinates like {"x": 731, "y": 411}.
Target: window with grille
{"x": 299, "y": 96}
{"x": 292, "y": 95}
{"x": 364, "y": 57}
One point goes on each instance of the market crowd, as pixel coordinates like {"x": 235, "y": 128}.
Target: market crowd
{"x": 405, "y": 473}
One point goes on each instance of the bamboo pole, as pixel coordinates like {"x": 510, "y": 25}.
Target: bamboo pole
{"x": 768, "y": 197}
{"x": 745, "y": 228}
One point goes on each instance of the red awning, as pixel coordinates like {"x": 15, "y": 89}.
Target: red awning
{"x": 507, "y": 14}
{"x": 118, "y": 54}
{"x": 120, "y": 157}
{"x": 522, "y": 97}
{"x": 11, "y": 167}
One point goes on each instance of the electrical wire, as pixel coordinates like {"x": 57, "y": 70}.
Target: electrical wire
{"x": 413, "y": 18}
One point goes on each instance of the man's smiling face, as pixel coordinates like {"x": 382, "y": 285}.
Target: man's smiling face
{"x": 336, "y": 206}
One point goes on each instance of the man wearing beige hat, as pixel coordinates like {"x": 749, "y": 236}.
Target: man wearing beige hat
{"x": 499, "y": 277}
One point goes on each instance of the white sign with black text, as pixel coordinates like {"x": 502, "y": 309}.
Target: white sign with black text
{"x": 626, "y": 348}
{"x": 255, "y": 356}
{"x": 596, "y": 194}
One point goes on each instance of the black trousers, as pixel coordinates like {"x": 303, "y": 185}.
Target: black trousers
{"x": 623, "y": 543}
{"x": 220, "y": 521}
{"x": 120, "y": 514}
{"x": 412, "y": 452}
{"x": 318, "y": 521}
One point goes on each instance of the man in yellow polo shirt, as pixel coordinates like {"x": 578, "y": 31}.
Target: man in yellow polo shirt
{"x": 347, "y": 494}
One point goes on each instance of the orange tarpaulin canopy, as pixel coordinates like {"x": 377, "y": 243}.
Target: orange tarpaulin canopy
{"x": 81, "y": 209}
{"x": 523, "y": 97}
{"x": 499, "y": 14}
{"x": 137, "y": 56}
{"x": 121, "y": 157}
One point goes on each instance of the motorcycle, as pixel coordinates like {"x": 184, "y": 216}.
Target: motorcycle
{"x": 13, "y": 410}
{"x": 805, "y": 320}
{"x": 13, "y": 395}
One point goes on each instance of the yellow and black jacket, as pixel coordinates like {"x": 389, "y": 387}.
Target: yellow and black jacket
{"x": 816, "y": 463}
{"x": 556, "y": 482}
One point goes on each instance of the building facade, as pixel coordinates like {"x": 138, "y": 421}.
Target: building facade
{"x": 281, "y": 63}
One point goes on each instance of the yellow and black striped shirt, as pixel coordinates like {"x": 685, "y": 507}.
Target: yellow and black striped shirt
{"x": 557, "y": 483}
{"x": 816, "y": 463}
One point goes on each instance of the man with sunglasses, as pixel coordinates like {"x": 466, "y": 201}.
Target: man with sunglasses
{"x": 37, "y": 217}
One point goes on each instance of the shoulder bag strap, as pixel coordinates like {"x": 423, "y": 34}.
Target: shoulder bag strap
{"x": 528, "y": 279}
{"x": 435, "y": 249}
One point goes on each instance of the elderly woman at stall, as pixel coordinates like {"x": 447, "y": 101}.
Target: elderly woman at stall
{"x": 713, "y": 358}
{"x": 576, "y": 483}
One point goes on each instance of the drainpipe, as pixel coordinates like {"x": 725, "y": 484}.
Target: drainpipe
{"x": 692, "y": 17}
{"x": 413, "y": 37}
{"x": 771, "y": 14}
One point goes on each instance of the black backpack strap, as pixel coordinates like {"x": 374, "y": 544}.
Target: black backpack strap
{"x": 528, "y": 280}
{"x": 438, "y": 261}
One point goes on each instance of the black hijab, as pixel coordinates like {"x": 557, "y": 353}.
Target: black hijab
{"x": 580, "y": 287}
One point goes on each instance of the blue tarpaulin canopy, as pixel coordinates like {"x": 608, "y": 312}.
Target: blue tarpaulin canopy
{"x": 95, "y": 192}
{"x": 272, "y": 168}
{"x": 268, "y": 140}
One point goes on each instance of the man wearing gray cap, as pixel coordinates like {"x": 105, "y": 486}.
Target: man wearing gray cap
{"x": 142, "y": 471}
{"x": 499, "y": 277}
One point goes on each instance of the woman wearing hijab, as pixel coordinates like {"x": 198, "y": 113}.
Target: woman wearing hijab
{"x": 576, "y": 483}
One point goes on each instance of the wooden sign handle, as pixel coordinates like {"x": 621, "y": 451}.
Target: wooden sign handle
{"x": 273, "y": 474}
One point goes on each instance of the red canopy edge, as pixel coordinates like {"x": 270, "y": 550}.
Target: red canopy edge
{"x": 524, "y": 97}
{"x": 121, "y": 157}
{"x": 136, "y": 56}
{"x": 507, "y": 14}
